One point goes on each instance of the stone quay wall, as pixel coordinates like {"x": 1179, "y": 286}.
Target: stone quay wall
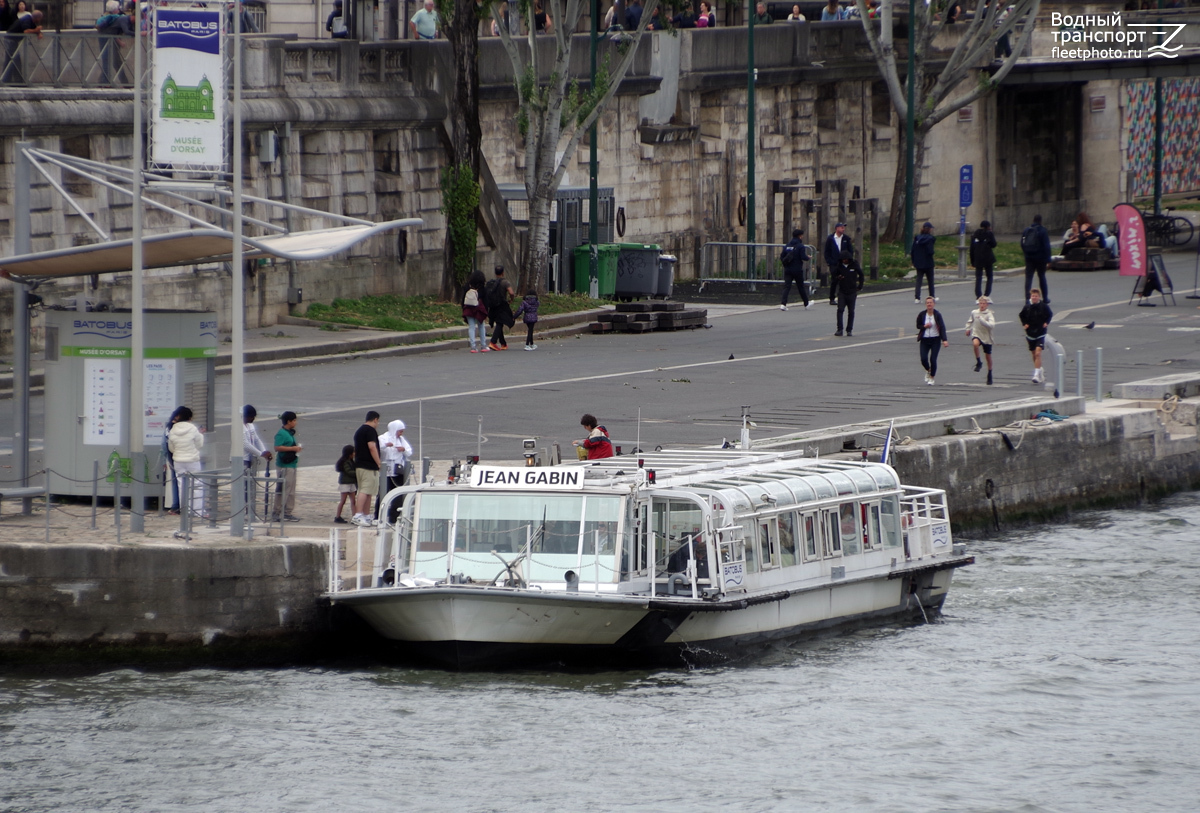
{"x": 167, "y": 595}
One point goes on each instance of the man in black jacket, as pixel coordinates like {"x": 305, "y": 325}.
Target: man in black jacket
{"x": 983, "y": 257}
{"x": 847, "y": 279}
{"x": 922, "y": 259}
{"x": 835, "y": 244}
{"x": 1035, "y": 318}
{"x": 793, "y": 257}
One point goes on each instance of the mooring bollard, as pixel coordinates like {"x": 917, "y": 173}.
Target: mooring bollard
{"x": 95, "y": 490}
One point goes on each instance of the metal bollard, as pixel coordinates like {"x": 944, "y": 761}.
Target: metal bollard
{"x": 1099, "y": 377}
{"x": 114, "y": 470}
{"x": 1079, "y": 373}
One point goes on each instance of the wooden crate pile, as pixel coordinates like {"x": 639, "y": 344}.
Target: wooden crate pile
{"x": 643, "y": 317}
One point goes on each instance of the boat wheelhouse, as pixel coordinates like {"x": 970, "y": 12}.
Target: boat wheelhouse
{"x": 669, "y": 557}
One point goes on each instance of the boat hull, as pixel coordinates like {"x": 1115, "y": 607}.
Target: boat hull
{"x": 464, "y": 627}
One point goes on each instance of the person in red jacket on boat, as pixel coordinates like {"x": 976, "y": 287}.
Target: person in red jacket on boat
{"x": 596, "y": 443}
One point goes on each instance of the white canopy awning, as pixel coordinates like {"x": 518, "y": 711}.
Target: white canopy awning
{"x": 190, "y": 248}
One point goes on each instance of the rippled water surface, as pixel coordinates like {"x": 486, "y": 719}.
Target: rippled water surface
{"x": 1064, "y": 675}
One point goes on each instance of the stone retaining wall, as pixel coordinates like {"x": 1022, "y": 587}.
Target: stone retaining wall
{"x": 159, "y": 594}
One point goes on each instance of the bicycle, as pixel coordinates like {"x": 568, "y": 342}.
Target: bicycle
{"x": 1167, "y": 229}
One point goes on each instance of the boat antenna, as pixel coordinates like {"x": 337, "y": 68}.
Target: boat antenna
{"x": 421, "y": 435}
{"x": 639, "y": 431}
{"x": 479, "y": 438}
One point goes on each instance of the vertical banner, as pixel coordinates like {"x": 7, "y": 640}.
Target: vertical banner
{"x": 187, "y": 95}
{"x": 1131, "y": 240}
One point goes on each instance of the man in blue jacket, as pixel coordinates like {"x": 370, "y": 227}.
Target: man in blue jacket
{"x": 835, "y": 244}
{"x": 793, "y": 259}
{"x": 922, "y": 259}
{"x": 1035, "y": 244}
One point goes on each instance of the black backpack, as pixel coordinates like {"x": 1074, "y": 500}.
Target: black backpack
{"x": 788, "y": 255}
{"x": 493, "y": 294}
{"x": 1030, "y": 243}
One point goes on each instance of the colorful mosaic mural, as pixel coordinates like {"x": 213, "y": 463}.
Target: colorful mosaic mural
{"x": 1181, "y": 134}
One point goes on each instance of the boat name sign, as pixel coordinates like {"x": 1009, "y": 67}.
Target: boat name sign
{"x": 526, "y": 478}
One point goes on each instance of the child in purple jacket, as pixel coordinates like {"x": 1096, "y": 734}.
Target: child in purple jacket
{"x": 528, "y": 309}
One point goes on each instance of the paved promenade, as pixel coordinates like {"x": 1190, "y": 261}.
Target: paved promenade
{"x": 688, "y": 386}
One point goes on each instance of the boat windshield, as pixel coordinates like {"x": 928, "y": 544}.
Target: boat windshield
{"x": 457, "y": 533}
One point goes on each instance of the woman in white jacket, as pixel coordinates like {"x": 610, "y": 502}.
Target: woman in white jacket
{"x": 979, "y": 328}
{"x": 185, "y": 442}
{"x": 396, "y": 453}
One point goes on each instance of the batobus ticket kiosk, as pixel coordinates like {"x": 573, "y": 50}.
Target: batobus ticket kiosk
{"x": 88, "y": 357}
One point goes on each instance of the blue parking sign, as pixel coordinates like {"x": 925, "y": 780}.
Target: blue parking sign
{"x": 965, "y": 175}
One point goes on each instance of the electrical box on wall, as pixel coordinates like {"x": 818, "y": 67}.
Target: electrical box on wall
{"x": 295, "y": 296}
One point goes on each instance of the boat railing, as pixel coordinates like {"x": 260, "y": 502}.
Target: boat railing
{"x": 924, "y": 522}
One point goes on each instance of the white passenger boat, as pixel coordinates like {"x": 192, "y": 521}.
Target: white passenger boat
{"x": 688, "y": 557}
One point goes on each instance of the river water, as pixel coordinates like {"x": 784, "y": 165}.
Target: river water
{"x": 1064, "y": 675}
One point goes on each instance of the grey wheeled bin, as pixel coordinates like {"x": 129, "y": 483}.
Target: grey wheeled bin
{"x": 637, "y": 270}
{"x": 666, "y": 275}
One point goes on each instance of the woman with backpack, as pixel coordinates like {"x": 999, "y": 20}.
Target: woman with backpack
{"x": 474, "y": 311}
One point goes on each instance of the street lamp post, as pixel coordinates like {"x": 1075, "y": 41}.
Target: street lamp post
{"x": 751, "y": 137}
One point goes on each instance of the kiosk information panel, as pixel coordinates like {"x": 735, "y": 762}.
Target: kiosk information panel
{"x": 87, "y": 388}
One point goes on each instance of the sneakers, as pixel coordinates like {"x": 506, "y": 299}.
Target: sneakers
{"x": 486, "y": 350}
{"x": 339, "y": 521}
{"x": 1038, "y": 376}
{"x": 917, "y": 301}
{"x": 937, "y": 299}
{"x": 502, "y": 347}
{"x": 474, "y": 349}
{"x": 363, "y": 520}
{"x": 493, "y": 346}
{"x": 849, "y": 333}
{"x": 978, "y": 365}
{"x": 928, "y": 380}
{"x": 291, "y": 518}
{"x": 531, "y": 347}
{"x": 989, "y": 377}
{"x": 838, "y": 333}
{"x": 807, "y": 305}
{"x": 783, "y": 307}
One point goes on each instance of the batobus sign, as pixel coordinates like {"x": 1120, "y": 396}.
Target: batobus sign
{"x": 188, "y": 92}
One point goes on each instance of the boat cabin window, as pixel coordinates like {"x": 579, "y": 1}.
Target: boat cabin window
{"x": 870, "y": 526}
{"x": 672, "y": 524}
{"x": 546, "y": 534}
{"x": 889, "y": 522}
{"x": 751, "y": 546}
{"x": 811, "y": 545}
{"x": 848, "y": 527}
{"x": 768, "y": 542}
{"x": 832, "y": 533}
{"x": 787, "y": 539}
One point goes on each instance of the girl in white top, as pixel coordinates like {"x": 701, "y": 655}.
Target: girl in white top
{"x": 185, "y": 441}
{"x": 979, "y": 328}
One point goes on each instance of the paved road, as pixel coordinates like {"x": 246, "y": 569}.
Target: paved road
{"x": 787, "y": 367}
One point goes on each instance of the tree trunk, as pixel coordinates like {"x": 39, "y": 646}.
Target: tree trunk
{"x": 895, "y": 227}
{"x": 538, "y": 255}
{"x": 462, "y": 32}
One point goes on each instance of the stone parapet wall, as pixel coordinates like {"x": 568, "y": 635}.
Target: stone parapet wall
{"x": 105, "y": 595}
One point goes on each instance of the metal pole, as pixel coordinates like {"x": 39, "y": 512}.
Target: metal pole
{"x": 137, "y": 352}
{"x": 593, "y": 186}
{"x": 237, "y": 492}
{"x": 910, "y": 130}
{"x": 1158, "y": 135}
{"x": 22, "y": 244}
{"x": 751, "y": 137}
{"x": 95, "y": 489}
{"x": 1079, "y": 373}
{"x": 962, "y": 242}
{"x": 1099, "y": 363}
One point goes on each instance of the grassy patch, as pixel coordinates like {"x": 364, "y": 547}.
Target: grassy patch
{"x": 409, "y": 313}
{"x": 894, "y": 262}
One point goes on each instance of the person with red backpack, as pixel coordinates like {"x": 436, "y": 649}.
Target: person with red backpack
{"x": 596, "y": 443}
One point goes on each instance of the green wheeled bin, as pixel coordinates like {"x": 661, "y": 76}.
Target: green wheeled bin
{"x": 606, "y": 268}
